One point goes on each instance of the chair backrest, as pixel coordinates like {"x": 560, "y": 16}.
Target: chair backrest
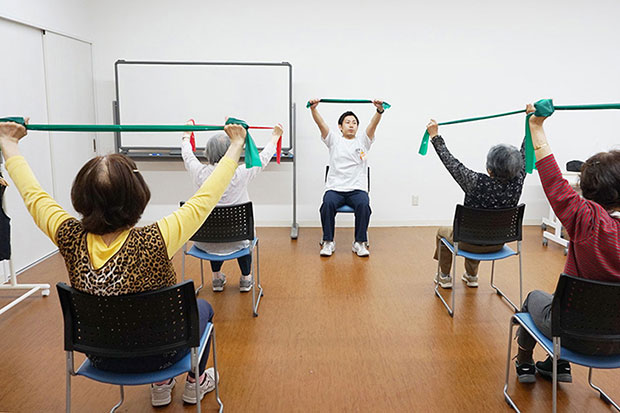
{"x": 227, "y": 224}
{"x": 367, "y": 170}
{"x": 132, "y": 325}
{"x": 587, "y": 311}
{"x": 488, "y": 226}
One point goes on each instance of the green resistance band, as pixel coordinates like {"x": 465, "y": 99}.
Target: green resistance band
{"x": 544, "y": 107}
{"x": 251, "y": 152}
{"x": 385, "y": 104}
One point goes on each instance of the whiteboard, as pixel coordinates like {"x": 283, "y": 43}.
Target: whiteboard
{"x": 161, "y": 93}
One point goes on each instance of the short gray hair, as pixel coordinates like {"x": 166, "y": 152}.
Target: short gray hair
{"x": 504, "y": 161}
{"x": 216, "y": 147}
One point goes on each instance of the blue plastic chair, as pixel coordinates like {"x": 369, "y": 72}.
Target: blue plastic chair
{"x": 134, "y": 325}
{"x": 228, "y": 224}
{"x": 583, "y": 311}
{"x": 485, "y": 227}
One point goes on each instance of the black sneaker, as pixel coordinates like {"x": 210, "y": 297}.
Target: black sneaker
{"x": 545, "y": 369}
{"x": 526, "y": 372}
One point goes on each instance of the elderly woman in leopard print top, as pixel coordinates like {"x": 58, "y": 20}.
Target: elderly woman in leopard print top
{"x": 500, "y": 187}
{"x": 105, "y": 254}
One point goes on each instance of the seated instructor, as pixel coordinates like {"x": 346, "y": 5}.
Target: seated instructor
{"x": 347, "y": 180}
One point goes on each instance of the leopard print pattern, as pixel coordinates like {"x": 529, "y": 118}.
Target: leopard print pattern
{"x": 141, "y": 264}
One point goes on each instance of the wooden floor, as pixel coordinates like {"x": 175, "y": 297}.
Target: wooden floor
{"x": 334, "y": 334}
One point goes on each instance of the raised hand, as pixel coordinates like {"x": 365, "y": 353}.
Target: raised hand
{"x": 278, "y": 130}
{"x": 432, "y": 128}
{"x": 12, "y": 132}
{"x": 535, "y": 121}
{"x": 236, "y": 133}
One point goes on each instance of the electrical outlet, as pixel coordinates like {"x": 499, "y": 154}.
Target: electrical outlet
{"x": 415, "y": 200}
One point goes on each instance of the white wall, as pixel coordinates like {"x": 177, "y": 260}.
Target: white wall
{"x": 447, "y": 59}
{"x": 69, "y": 17}
{"x": 47, "y": 77}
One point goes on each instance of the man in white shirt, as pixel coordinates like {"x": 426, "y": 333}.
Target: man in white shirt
{"x": 347, "y": 179}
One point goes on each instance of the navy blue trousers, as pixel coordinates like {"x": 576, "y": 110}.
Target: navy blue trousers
{"x": 245, "y": 264}
{"x": 358, "y": 200}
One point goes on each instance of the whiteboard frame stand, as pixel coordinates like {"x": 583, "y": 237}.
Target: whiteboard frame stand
{"x": 294, "y": 225}
{"x": 13, "y": 285}
{"x": 167, "y": 154}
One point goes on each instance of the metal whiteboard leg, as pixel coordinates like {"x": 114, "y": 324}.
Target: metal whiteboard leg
{"x": 294, "y": 226}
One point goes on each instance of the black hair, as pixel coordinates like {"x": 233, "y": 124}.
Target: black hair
{"x": 344, "y": 115}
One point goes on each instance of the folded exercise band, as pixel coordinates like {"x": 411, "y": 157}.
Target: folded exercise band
{"x": 544, "y": 107}
{"x": 251, "y": 152}
{"x": 385, "y": 104}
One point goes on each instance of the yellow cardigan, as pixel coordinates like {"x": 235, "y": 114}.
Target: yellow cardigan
{"x": 176, "y": 228}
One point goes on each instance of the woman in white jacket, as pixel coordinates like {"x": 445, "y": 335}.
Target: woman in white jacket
{"x": 236, "y": 193}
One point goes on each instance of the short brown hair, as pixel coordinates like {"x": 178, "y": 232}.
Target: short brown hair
{"x": 600, "y": 179}
{"x": 110, "y": 194}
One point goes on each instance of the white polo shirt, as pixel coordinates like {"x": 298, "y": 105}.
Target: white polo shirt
{"x": 348, "y": 162}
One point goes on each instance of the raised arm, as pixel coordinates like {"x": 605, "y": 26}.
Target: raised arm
{"x": 465, "y": 177}
{"x": 539, "y": 139}
{"x": 374, "y": 121}
{"x": 45, "y": 211}
{"x": 192, "y": 164}
{"x": 318, "y": 119}
{"x": 576, "y": 214}
{"x": 266, "y": 155}
{"x": 269, "y": 150}
{"x": 178, "y": 227}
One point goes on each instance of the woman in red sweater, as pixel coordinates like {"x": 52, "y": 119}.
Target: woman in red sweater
{"x": 593, "y": 224}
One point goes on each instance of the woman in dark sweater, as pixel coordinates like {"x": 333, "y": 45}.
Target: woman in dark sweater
{"x": 500, "y": 187}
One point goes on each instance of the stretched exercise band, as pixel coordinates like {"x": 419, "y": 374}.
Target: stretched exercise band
{"x": 278, "y": 145}
{"x": 385, "y": 104}
{"x": 544, "y": 107}
{"x": 251, "y": 152}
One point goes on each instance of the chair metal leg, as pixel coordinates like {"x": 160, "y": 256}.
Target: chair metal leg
{"x": 196, "y": 368}
{"x": 437, "y": 293}
{"x": 70, "y": 372}
{"x": 202, "y": 277}
{"x": 183, "y": 262}
{"x": 217, "y": 374}
{"x": 506, "y": 396}
{"x": 602, "y": 394}
{"x": 121, "y": 401}
{"x": 500, "y": 292}
{"x": 255, "y": 300}
{"x": 520, "y": 276}
{"x": 556, "y": 357}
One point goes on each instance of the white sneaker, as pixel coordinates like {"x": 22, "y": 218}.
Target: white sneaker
{"x": 189, "y": 394}
{"x": 361, "y": 249}
{"x": 328, "y": 248}
{"x": 444, "y": 280}
{"x": 245, "y": 284}
{"x": 470, "y": 280}
{"x": 161, "y": 394}
{"x": 219, "y": 283}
